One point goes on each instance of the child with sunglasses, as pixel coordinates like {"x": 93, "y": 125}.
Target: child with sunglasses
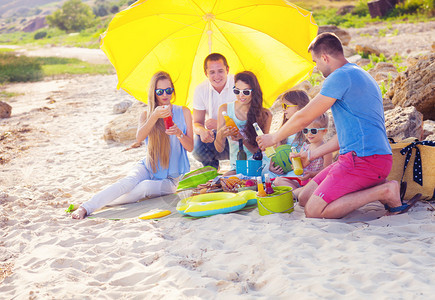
{"x": 314, "y": 133}
{"x": 159, "y": 172}
{"x": 245, "y": 111}
{"x": 291, "y": 102}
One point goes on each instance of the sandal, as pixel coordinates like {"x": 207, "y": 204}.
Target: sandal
{"x": 404, "y": 207}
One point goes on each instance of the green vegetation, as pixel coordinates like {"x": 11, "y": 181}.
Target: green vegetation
{"x": 15, "y": 68}
{"x": 315, "y": 79}
{"x": 408, "y": 11}
{"x": 74, "y": 16}
{"x": 5, "y": 96}
{"x": 19, "y": 68}
{"x": 396, "y": 60}
{"x": 385, "y": 86}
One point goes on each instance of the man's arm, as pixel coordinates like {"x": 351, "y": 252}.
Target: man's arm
{"x": 207, "y": 136}
{"x": 301, "y": 119}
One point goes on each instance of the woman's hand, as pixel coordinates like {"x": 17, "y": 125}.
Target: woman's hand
{"x": 275, "y": 169}
{"x": 174, "y": 130}
{"x": 162, "y": 111}
{"x": 238, "y": 136}
{"x": 227, "y": 131}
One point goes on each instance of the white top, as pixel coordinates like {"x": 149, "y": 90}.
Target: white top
{"x": 205, "y": 90}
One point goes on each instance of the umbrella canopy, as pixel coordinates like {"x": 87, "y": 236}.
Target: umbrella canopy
{"x": 268, "y": 37}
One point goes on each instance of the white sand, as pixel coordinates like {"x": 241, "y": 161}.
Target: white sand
{"x": 45, "y": 254}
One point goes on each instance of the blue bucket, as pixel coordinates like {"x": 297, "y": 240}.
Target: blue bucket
{"x": 249, "y": 167}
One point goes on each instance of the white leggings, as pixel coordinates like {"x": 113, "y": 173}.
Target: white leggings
{"x": 135, "y": 186}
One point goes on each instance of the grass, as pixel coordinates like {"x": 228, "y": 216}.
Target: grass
{"x": 21, "y": 68}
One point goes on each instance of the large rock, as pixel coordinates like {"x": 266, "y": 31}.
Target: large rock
{"x": 123, "y": 128}
{"x": 402, "y": 123}
{"x": 428, "y": 128}
{"x": 122, "y": 107}
{"x": 342, "y": 34}
{"x": 5, "y": 110}
{"x": 368, "y": 49}
{"x": 416, "y": 87}
{"x": 35, "y": 24}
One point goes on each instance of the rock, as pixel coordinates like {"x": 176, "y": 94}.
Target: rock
{"x": 122, "y": 106}
{"x": 35, "y": 24}
{"x": 428, "y": 128}
{"x": 123, "y": 128}
{"x": 5, "y": 110}
{"x": 433, "y": 47}
{"x": 304, "y": 85}
{"x": 402, "y": 123}
{"x": 368, "y": 49}
{"x": 347, "y": 9}
{"x": 430, "y": 138}
{"x": 387, "y": 104}
{"x": 416, "y": 87}
{"x": 314, "y": 91}
{"x": 363, "y": 62}
{"x": 348, "y": 51}
{"x": 342, "y": 34}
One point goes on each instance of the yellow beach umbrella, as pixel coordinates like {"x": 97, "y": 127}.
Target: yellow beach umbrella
{"x": 267, "y": 37}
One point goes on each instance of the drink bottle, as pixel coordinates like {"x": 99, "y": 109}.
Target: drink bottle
{"x": 258, "y": 155}
{"x": 229, "y": 122}
{"x": 270, "y": 151}
{"x": 268, "y": 183}
{"x": 261, "y": 192}
{"x": 168, "y": 121}
{"x": 297, "y": 163}
{"x": 241, "y": 155}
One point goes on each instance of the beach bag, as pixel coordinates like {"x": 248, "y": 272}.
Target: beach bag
{"x": 199, "y": 176}
{"x": 414, "y": 167}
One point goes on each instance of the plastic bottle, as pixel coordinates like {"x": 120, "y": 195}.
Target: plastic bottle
{"x": 270, "y": 151}
{"x": 297, "y": 163}
{"x": 268, "y": 183}
{"x": 229, "y": 122}
{"x": 261, "y": 192}
{"x": 241, "y": 155}
{"x": 168, "y": 121}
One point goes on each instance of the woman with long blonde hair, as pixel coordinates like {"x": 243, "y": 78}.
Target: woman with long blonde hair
{"x": 166, "y": 161}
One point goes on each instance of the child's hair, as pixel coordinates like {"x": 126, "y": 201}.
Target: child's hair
{"x": 256, "y": 112}
{"x": 301, "y": 99}
{"x": 158, "y": 142}
{"x": 322, "y": 121}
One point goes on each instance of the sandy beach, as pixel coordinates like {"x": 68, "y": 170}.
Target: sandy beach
{"x": 55, "y": 155}
{"x": 46, "y": 254}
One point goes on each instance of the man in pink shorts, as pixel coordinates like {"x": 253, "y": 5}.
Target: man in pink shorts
{"x": 359, "y": 175}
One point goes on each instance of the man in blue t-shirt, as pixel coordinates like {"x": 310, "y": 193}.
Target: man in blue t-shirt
{"x": 359, "y": 175}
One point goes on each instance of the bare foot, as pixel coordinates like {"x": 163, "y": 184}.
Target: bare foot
{"x": 391, "y": 195}
{"x": 80, "y": 213}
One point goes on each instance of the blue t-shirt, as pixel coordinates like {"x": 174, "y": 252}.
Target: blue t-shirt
{"x": 358, "y": 111}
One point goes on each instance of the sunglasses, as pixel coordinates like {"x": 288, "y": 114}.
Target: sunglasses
{"x": 168, "y": 91}
{"x": 312, "y": 130}
{"x": 245, "y": 92}
{"x": 284, "y": 106}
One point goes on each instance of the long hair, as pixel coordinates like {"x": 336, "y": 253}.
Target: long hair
{"x": 301, "y": 99}
{"x": 159, "y": 147}
{"x": 256, "y": 112}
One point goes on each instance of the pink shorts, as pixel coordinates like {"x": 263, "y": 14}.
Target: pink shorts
{"x": 351, "y": 173}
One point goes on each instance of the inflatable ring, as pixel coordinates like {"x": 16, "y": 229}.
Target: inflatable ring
{"x": 215, "y": 203}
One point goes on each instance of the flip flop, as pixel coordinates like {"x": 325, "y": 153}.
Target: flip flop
{"x": 404, "y": 207}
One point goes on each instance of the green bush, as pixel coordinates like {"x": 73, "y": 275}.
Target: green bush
{"x": 40, "y": 35}
{"x": 15, "y": 68}
{"x": 72, "y": 17}
{"x": 361, "y": 9}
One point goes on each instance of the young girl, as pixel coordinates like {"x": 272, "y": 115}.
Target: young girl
{"x": 159, "y": 172}
{"x": 291, "y": 102}
{"x": 245, "y": 111}
{"x": 314, "y": 133}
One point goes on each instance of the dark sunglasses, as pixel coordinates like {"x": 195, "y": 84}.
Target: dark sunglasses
{"x": 312, "y": 130}
{"x": 245, "y": 92}
{"x": 168, "y": 91}
{"x": 284, "y": 105}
